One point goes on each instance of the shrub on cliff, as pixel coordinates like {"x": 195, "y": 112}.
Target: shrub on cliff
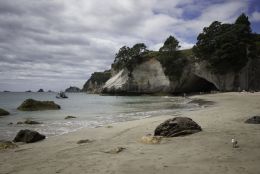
{"x": 226, "y": 47}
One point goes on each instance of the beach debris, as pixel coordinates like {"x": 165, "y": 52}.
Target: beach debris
{"x": 28, "y": 121}
{"x": 178, "y": 126}
{"x": 150, "y": 139}
{"x": 253, "y": 120}
{"x": 69, "y": 117}
{"x": 28, "y": 136}
{"x": 7, "y": 145}
{"x": 3, "y": 112}
{"x": 234, "y": 143}
{"x": 35, "y": 105}
{"x": 84, "y": 141}
{"x": 109, "y": 126}
{"x": 115, "y": 150}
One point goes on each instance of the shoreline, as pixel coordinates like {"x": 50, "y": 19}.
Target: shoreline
{"x": 209, "y": 151}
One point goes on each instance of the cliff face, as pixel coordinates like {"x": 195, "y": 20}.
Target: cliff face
{"x": 96, "y": 82}
{"x": 149, "y": 77}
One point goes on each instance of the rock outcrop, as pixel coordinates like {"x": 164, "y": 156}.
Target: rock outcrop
{"x": 73, "y": 89}
{"x": 35, "y": 105}
{"x": 177, "y": 126}
{"x": 96, "y": 82}
{"x": 40, "y": 90}
{"x": 28, "y": 136}
{"x": 3, "y": 112}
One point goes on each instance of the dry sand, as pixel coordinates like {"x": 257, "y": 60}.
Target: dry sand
{"x": 209, "y": 151}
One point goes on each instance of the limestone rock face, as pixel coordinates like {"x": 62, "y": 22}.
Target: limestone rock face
{"x": 35, "y": 105}
{"x": 28, "y": 136}
{"x": 177, "y": 126}
{"x": 148, "y": 77}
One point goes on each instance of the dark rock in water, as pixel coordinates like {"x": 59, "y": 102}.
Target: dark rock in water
{"x": 253, "y": 120}
{"x": 28, "y": 136}
{"x": 7, "y": 145}
{"x": 20, "y": 122}
{"x": 28, "y": 91}
{"x": 3, "y": 112}
{"x": 34, "y": 105}
{"x": 177, "y": 126}
{"x": 73, "y": 89}
{"x": 40, "y": 90}
{"x": 69, "y": 117}
{"x": 10, "y": 123}
{"x": 31, "y": 122}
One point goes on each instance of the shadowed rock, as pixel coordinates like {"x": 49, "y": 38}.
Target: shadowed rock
{"x": 35, "y": 105}
{"x": 253, "y": 120}
{"x": 28, "y": 136}
{"x": 177, "y": 126}
{"x": 3, "y": 112}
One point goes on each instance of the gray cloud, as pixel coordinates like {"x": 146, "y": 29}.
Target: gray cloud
{"x": 53, "y": 44}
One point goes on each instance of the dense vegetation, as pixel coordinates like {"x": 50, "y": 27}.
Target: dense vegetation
{"x": 226, "y": 47}
{"x": 99, "y": 78}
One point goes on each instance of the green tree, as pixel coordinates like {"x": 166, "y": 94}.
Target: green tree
{"x": 171, "y": 59}
{"x": 170, "y": 45}
{"x": 226, "y": 47}
{"x": 129, "y": 57}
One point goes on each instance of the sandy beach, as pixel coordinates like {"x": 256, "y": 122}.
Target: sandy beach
{"x": 209, "y": 151}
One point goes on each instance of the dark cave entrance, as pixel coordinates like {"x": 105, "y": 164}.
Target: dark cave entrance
{"x": 197, "y": 84}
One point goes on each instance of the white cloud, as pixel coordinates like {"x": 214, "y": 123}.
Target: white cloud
{"x": 255, "y": 16}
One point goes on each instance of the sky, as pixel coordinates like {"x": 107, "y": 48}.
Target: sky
{"x": 54, "y": 44}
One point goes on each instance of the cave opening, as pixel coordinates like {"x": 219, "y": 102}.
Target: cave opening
{"x": 197, "y": 84}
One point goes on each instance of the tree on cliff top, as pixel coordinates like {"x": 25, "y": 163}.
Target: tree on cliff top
{"x": 170, "y": 45}
{"x": 129, "y": 57}
{"x": 226, "y": 47}
{"x": 171, "y": 59}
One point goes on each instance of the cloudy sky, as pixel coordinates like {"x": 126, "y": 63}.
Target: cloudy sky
{"x": 52, "y": 44}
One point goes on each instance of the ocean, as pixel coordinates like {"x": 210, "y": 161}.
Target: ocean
{"x": 91, "y": 111}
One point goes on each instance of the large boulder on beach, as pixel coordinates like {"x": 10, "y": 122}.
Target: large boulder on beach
{"x": 3, "y": 112}
{"x": 28, "y": 136}
{"x": 177, "y": 126}
{"x": 35, "y": 105}
{"x": 253, "y": 120}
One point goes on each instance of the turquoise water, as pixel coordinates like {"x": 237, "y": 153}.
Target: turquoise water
{"x": 90, "y": 110}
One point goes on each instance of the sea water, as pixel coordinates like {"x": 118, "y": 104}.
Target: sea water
{"x": 90, "y": 110}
